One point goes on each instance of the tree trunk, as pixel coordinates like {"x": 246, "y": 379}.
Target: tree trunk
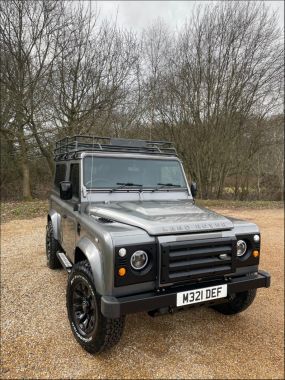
{"x": 27, "y": 195}
{"x": 258, "y": 179}
{"x": 26, "y": 181}
{"x": 44, "y": 151}
{"x": 236, "y": 187}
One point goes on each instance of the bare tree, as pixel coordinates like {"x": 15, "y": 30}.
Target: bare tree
{"x": 225, "y": 70}
{"x": 92, "y": 74}
{"x": 213, "y": 87}
{"x": 29, "y": 34}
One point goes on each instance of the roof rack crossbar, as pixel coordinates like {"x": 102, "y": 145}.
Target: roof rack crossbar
{"x": 80, "y": 143}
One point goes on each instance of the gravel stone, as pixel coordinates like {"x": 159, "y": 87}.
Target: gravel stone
{"x": 36, "y": 340}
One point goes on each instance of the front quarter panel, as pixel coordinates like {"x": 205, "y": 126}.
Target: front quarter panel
{"x": 243, "y": 226}
{"x": 96, "y": 244}
{"x": 94, "y": 258}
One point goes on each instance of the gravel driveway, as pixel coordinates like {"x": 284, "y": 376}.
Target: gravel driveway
{"x": 200, "y": 343}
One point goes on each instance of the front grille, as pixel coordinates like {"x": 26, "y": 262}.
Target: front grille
{"x": 187, "y": 260}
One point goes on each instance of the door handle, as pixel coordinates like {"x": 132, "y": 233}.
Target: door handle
{"x": 64, "y": 216}
{"x": 78, "y": 228}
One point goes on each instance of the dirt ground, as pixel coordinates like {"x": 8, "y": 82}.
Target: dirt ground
{"x": 200, "y": 343}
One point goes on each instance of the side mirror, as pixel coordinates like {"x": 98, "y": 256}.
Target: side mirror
{"x": 193, "y": 189}
{"x": 65, "y": 190}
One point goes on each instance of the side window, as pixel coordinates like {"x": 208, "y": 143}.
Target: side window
{"x": 60, "y": 171}
{"x": 74, "y": 179}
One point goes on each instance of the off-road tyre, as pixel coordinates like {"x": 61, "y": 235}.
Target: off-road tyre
{"x": 105, "y": 332}
{"x": 237, "y": 302}
{"x": 52, "y": 246}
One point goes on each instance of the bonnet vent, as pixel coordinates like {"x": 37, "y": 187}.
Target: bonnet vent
{"x": 102, "y": 220}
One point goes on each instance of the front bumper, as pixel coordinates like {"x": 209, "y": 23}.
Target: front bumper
{"x": 112, "y": 307}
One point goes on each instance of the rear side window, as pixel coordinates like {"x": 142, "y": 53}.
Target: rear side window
{"x": 60, "y": 171}
{"x": 74, "y": 179}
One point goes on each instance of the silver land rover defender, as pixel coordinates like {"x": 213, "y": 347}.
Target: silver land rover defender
{"x": 123, "y": 223}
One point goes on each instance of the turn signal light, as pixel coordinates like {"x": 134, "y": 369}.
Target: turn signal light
{"x": 255, "y": 253}
{"x": 121, "y": 272}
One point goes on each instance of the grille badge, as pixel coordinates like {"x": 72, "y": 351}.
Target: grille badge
{"x": 224, "y": 256}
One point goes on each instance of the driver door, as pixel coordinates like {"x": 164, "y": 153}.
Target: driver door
{"x": 69, "y": 223}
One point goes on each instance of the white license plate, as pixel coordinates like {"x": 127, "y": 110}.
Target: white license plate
{"x": 201, "y": 295}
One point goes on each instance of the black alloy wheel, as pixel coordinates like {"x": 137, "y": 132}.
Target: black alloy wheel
{"x": 90, "y": 327}
{"x": 84, "y": 308}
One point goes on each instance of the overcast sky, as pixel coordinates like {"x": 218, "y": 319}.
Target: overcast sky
{"x": 139, "y": 14}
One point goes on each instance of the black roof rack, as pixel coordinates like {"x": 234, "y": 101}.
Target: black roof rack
{"x": 68, "y": 147}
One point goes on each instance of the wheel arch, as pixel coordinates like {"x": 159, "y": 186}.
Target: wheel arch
{"x": 53, "y": 217}
{"x": 79, "y": 255}
{"x": 86, "y": 250}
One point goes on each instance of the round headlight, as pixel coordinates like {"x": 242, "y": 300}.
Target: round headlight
{"x": 139, "y": 260}
{"x": 241, "y": 247}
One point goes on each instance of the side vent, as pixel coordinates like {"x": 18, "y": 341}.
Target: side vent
{"x": 102, "y": 220}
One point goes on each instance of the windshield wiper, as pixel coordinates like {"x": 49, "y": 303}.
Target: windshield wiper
{"x": 163, "y": 185}
{"x": 123, "y": 185}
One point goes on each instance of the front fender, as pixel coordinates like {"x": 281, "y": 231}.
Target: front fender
{"x": 94, "y": 257}
{"x": 55, "y": 219}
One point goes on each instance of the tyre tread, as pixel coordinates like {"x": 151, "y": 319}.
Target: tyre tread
{"x": 53, "y": 261}
{"x": 110, "y": 331}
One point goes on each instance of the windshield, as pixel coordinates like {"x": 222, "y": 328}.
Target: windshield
{"x": 115, "y": 173}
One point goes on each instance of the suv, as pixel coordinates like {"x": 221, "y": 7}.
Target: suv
{"x": 123, "y": 222}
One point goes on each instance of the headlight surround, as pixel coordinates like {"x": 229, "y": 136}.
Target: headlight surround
{"x": 133, "y": 275}
{"x": 241, "y": 248}
{"x": 139, "y": 260}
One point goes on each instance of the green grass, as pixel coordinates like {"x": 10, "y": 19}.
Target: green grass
{"x": 35, "y": 208}
{"x": 258, "y": 205}
{"x": 23, "y": 210}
